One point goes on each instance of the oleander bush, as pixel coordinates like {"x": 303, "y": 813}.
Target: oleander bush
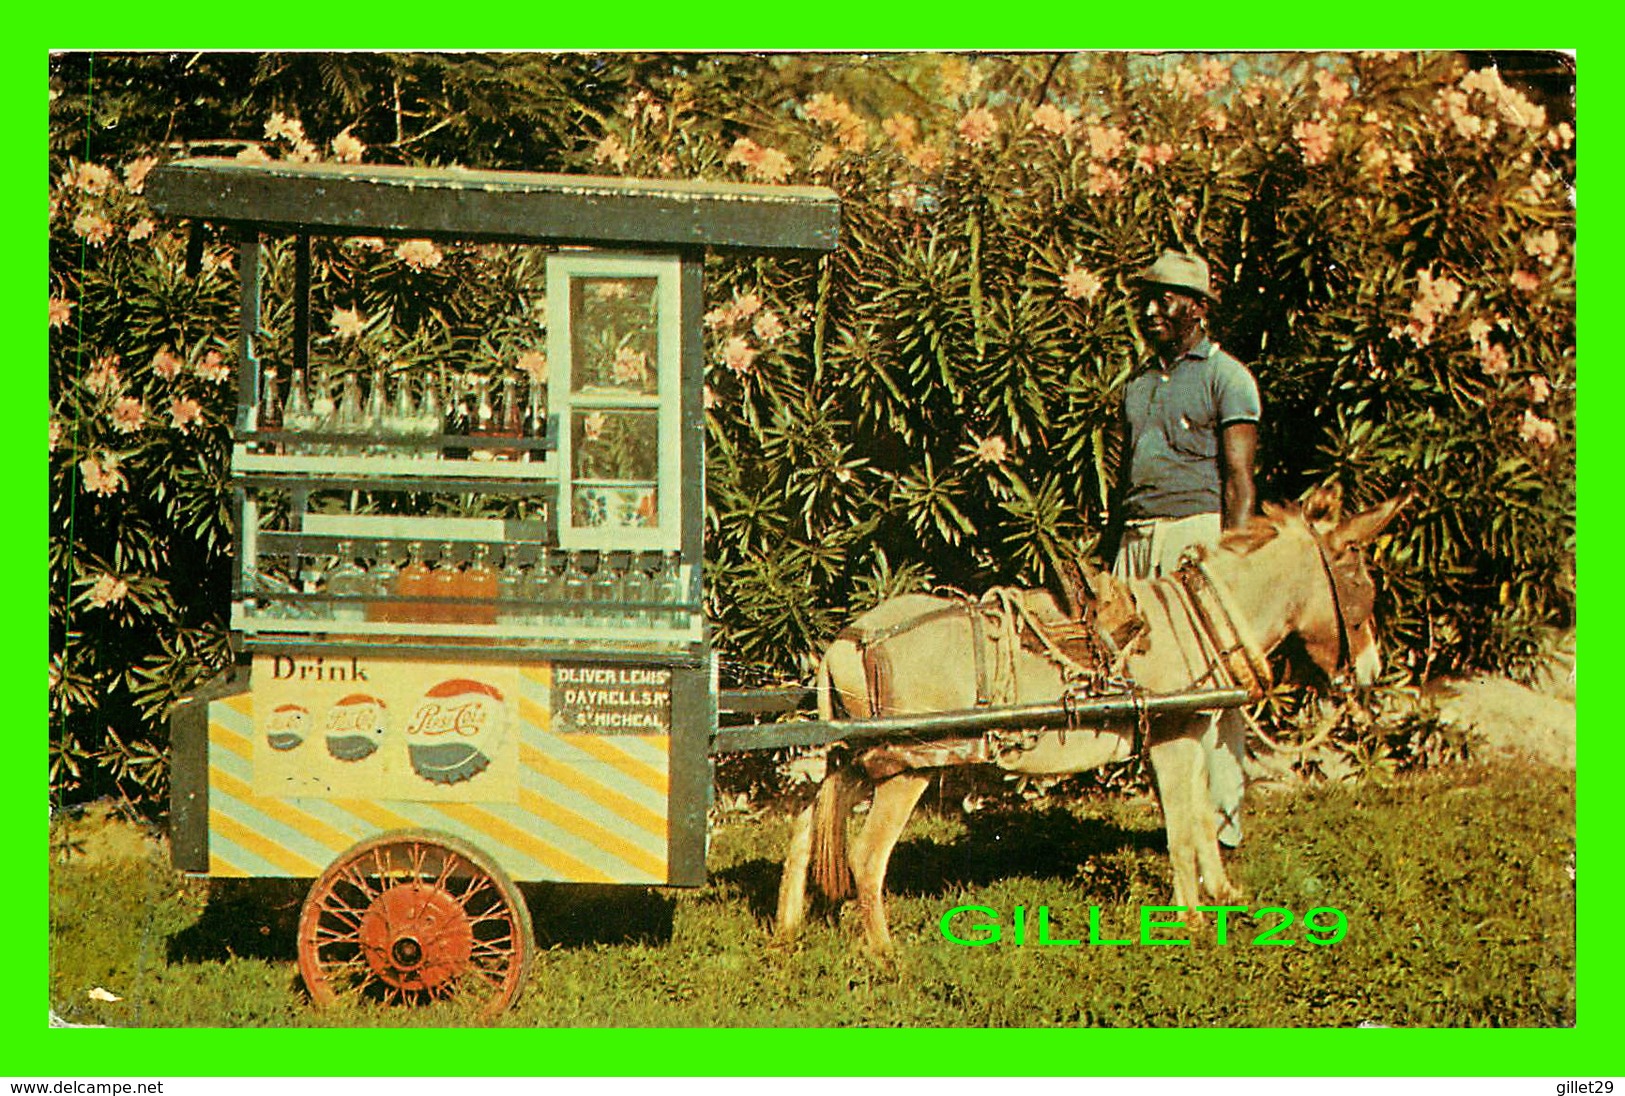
{"x": 933, "y": 403}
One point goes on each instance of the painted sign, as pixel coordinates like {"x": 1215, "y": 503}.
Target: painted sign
{"x": 591, "y": 699}
{"x": 380, "y": 728}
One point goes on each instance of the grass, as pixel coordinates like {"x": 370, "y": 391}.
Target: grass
{"x": 1457, "y": 885}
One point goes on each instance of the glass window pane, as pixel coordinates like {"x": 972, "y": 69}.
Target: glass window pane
{"x": 614, "y": 445}
{"x": 614, "y": 507}
{"x": 614, "y": 335}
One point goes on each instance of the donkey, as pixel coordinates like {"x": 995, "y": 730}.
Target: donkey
{"x": 1298, "y": 569}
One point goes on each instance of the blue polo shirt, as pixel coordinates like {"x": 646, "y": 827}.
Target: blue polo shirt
{"x": 1173, "y": 416}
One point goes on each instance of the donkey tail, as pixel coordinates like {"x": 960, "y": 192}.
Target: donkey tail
{"x": 831, "y": 871}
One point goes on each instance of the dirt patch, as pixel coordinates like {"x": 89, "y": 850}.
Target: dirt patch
{"x": 99, "y": 834}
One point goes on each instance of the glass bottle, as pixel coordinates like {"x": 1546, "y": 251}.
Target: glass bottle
{"x": 347, "y": 582}
{"x": 325, "y": 412}
{"x": 431, "y": 419}
{"x": 573, "y": 588}
{"x": 443, "y": 585}
{"x": 535, "y": 421}
{"x": 605, "y": 591}
{"x": 538, "y": 588}
{"x": 478, "y": 587}
{"x": 457, "y": 417}
{"x": 376, "y": 413}
{"x": 350, "y": 419}
{"x": 381, "y": 584}
{"x": 270, "y": 414}
{"x": 510, "y": 588}
{"x": 668, "y": 589}
{"x": 484, "y": 417}
{"x": 400, "y": 425}
{"x": 297, "y": 414}
{"x": 413, "y": 583}
{"x": 635, "y": 588}
{"x": 512, "y": 416}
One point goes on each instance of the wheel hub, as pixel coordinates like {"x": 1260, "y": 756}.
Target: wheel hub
{"x": 416, "y": 936}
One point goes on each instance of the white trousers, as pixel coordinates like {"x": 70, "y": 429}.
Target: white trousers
{"x": 1150, "y": 549}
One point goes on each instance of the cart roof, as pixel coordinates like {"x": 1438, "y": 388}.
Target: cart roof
{"x": 512, "y": 206}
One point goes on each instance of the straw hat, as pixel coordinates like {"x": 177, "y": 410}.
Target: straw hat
{"x": 1178, "y": 270}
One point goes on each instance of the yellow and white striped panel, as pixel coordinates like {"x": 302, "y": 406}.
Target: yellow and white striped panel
{"x": 591, "y": 808}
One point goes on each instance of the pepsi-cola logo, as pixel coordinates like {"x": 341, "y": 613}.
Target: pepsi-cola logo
{"x": 354, "y": 726}
{"x": 285, "y": 727}
{"x": 461, "y": 707}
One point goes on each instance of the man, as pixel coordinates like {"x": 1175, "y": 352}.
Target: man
{"x": 1190, "y": 418}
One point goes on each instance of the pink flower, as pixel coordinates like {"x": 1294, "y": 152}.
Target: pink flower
{"x": 826, "y": 157}
{"x": 710, "y": 398}
{"x": 927, "y": 158}
{"x": 166, "y": 365}
{"x": 592, "y": 427}
{"x": 746, "y": 305}
{"x": 991, "y": 450}
{"x": 1493, "y": 357}
{"x": 129, "y": 414}
{"x": 1078, "y": 283}
{"x": 280, "y": 127}
{"x": 611, "y": 151}
{"x": 775, "y": 166}
{"x": 1315, "y": 140}
{"x": 347, "y": 147}
{"x": 101, "y": 475}
{"x": 142, "y": 229}
{"x": 1213, "y": 73}
{"x": 534, "y": 363}
{"x": 419, "y": 254}
{"x": 1106, "y": 142}
{"x": 1540, "y": 390}
{"x": 183, "y": 412}
{"x": 667, "y": 162}
{"x": 1214, "y": 119}
{"x": 630, "y": 365}
{"x": 824, "y": 107}
{"x": 252, "y": 154}
{"x": 108, "y": 590}
{"x": 92, "y": 179}
{"x": 738, "y": 354}
{"x": 1560, "y": 136}
{"x": 1525, "y": 281}
{"x": 347, "y": 323}
{"x": 93, "y": 227}
{"x": 721, "y": 316}
{"x": 55, "y": 434}
{"x": 104, "y": 374}
{"x": 1104, "y": 180}
{"x": 903, "y": 129}
{"x": 978, "y": 126}
{"x": 61, "y": 311}
{"x": 1333, "y": 91}
{"x": 1542, "y": 246}
{"x": 1052, "y": 119}
{"x": 212, "y": 367}
{"x": 746, "y": 153}
{"x": 768, "y": 326}
{"x": 1543, "y": 432}
{"x": 135, "y": 173}
{"x": 1151, "y": 157}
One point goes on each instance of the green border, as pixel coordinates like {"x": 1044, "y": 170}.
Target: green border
{"x": 1590, "y": 1049}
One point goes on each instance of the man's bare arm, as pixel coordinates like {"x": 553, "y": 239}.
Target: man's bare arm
{"x": 1238, "y": 445}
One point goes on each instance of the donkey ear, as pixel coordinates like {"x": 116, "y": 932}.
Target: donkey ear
{"x": 1366, "y": 527}
{"x": 1324, "y": 505}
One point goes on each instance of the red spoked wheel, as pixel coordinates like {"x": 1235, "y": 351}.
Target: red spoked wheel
{"x": 407, "y": 918}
